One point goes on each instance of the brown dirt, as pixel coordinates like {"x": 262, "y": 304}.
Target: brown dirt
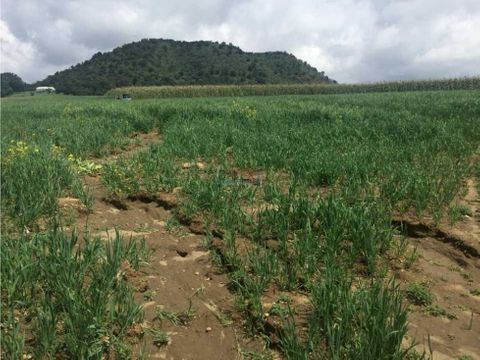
{"x": 139, "y": 142}
{"x": 179, "y": 269}
{"x": 449, "y": 264}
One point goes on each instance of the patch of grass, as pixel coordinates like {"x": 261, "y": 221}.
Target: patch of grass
{"x": 149, "y": 295}
{"x": 181, "y": 318}
{"x": 458, "y": 211}
{"x": 475, "y": 292}
{"x": 160, "y": 338}
{"x": 223, "y": 319}
{"x": 68, "y": 296}
{"x": 411, "y": 258}
{"x": 437, "y": 311}
{"x": 415, "y": 355}
{"x": 281, "y": 306}
{"x": 419, "y": 294}
{"x": 254, "y": 355}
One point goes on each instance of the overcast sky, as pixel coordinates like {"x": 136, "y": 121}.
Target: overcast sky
{"x": 351, "y": 40}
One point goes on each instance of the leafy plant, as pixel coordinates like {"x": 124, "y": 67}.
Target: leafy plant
{"x": 419, "y": 294}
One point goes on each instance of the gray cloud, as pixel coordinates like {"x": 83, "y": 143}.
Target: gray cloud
{"x": 351, "y": 40}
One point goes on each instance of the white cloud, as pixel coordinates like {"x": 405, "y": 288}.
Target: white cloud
{"x": 351, "y": 40}
{"x": 459, "y": 39}
{"x": 16, "y": 55}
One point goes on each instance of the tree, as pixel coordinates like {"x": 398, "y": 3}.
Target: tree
{"x": 11, "y": 83}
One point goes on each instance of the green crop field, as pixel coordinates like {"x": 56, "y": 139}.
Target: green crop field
{"x": 148, "y": 92}
{"x": 300, "y": 194}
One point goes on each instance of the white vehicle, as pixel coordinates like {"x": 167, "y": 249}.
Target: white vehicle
{"x": 49, "y": 89}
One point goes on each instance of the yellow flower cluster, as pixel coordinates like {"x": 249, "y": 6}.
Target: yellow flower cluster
{"x": 72, "y": 111}
{"x": 57, "y": 149}
{"x": 20, "y": 148}
{"x": 245, "y": 111}
{"x": 83, "y": 166}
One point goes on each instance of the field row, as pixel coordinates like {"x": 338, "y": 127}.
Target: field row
{"x": 145, "y": 92}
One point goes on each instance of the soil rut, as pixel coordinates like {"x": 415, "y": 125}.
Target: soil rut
{"x": 179, "y": 272}
{"x": 449, "y": 264}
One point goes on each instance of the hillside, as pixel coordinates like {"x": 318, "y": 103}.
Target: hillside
{"x": 11, "y": 83}
{"x": 169, "y": 62}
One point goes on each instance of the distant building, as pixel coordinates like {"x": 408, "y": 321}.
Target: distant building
{"x": 49, "y": 89}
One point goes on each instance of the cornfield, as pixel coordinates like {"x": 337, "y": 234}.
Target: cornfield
{"x": 145, "y": 92}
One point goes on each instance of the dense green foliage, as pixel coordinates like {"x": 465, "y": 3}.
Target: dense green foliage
{"x": 169, "y": 62}
{"x": 70, "y": 298}
{"x": 331, "y": 172}
{"x": 11, "y": 83}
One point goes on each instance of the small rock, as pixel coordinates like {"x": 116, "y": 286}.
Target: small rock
{"x": 200, "y": 166}
{"x": 208, "y": 329}
{"x": 197, "y": 273}
{"x": 182, "y": 253}
{"x": 186, "y": 165}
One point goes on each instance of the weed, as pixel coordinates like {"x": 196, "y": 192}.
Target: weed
{"x": 419, "y": 294}
{"x": 181, "y": 318}
{"x": 160, "y": 338}
{"x": 436, "y": 310}
{"x": 475, "y": 292}
{"x": 149, "y": 295}
{"x": 411, "y": 258}
{"x": 254, "y": 355}
{"x": 458, "y": 211}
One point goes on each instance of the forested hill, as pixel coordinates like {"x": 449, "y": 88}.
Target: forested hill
{"x": 11, "y": 83}
{"x": 169, "y": 62}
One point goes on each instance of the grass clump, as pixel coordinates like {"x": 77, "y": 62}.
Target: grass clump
{"x": 160, "y": 338}
{"x": 67, "y": 294}
{"x": 181, "y": 318}
{"x": 459, "y": 211}
{"x": 475, "y": 292}
{"x": 437, "y": 311}
{"x": 419, "y": 294}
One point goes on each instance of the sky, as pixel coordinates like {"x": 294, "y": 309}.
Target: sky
{"x": 351, "y": 40}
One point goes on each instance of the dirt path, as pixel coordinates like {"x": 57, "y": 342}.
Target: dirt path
{"x": 139, "y": 142}
{"x": 179, "y": 271}
{"x": 449, "y": 264}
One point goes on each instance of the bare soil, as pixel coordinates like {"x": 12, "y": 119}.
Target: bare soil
{"x": 179, "y": 271}
{"x": 449, "y": 264}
